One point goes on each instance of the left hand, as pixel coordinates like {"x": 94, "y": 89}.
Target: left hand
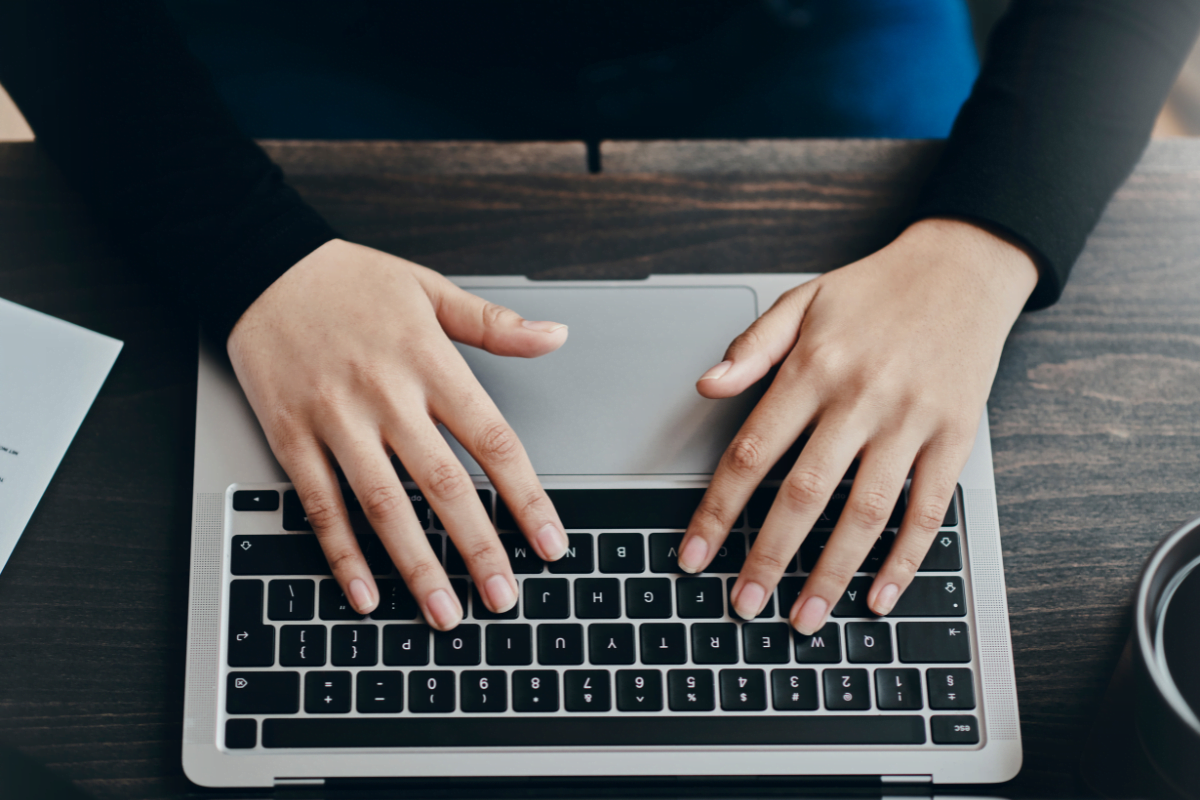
{"x": 888, "y": 360}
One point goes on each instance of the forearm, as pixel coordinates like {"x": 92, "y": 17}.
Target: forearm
{"x": 129, "y": 115}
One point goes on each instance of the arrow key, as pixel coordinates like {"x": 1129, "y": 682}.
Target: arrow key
{"x": 944, "y": 554}
{"x": 265, "y": 500}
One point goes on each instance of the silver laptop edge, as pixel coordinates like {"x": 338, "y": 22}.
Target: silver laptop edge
{"x": 230, "y": 448}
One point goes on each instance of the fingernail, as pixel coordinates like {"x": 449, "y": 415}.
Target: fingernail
{"x": 542, "y": 326}
{"x": 750, "y": 600}
{"x": 693, "y": 553}
{"x": 717, "y": 371}
{"x": 885, "y": 601}
{"x": 360, "y": 596}
{"x": 552, "y": 541}
{"x": 444, "y": 610}
{"x": 500, "y": 593}
{"x": 811, "y": 616}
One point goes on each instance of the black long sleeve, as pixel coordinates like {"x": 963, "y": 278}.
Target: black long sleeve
{"x": 116, "y": 99}
{"x": 1059, "y": 116}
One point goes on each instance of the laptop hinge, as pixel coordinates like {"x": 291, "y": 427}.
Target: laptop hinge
{"x": 892, "y": 780}
{"x": 284, "y": 782}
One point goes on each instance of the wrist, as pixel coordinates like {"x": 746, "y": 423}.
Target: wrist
{"x": 1001, "y": 264}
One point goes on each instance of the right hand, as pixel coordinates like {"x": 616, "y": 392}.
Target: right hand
{"x": 347, "y": 357}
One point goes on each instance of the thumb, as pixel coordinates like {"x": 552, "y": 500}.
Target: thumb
{"x": 761, "y": 346}
{"x": 469, "y": 319}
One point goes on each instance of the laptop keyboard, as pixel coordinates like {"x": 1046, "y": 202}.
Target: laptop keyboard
{"x": 611, "y": 646}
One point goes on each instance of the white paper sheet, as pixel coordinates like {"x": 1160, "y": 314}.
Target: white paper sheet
{"x": 50, "y": 372}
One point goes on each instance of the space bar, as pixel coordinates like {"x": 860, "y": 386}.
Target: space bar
{"x": 591, "y": 731}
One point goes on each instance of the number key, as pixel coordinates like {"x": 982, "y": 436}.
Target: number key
{"x": 587, "y": 690}
{"x": 794, "y": 689}
{"x": 639, "y": 690}
{"x": 431, "y": 691}
{"x": 484, "y": 690}
{"x": 535, "y": 690}
{"x": 690, "y": 690}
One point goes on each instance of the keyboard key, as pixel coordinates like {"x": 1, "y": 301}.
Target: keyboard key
{"x": 898, "y": 510}
{"x": 587, "y": 690}
{"x": 535, "y": 690}
{"x": 605, "y": 730}
{"x": 291, "y": 599}
{"x": 327, "y": 692}
{"x": 847, "y": 690}
{"x": 879, "y": 552}
{"x": 789, "y": 590}
{"x": 639, "y": 690}
{"x": 294, "y": 518}
{"x": 431, "y": 691}
{"x": 560, "y": 644}
{"x": 931, "y": 642}
{"x": 256, "y": 500}
{"x": 898, "y": 689}
{"x": 302, "y": 646}
{"x": 334, "y": 604}
{"x": 459, "y": 585}
{"x": 599, "y": 509}
{"x": 455, "y": 565}
{"x": 262, "y": 692}
{"x": 395, "y": 601}
{"x": 823, "y": 647}
{"x": 731, "y": 555}
{"x": 241, "y": 734}
{"x": 853, "y": 602}
{"x": 951, "y": 688}
{"x": 811, "y": 549}
{"x": 699, "y": 598}
{"x": 510, "y": 645}
{"x": 578, "y": 559}
{"x": 524, "y": 560}
{"x": 714, "y": 643}
{"x": 663, "y": 643}
{"x": 622, "y": 553}
{"x": 743, "y": 690}
{"x": 869, "y": 642}
{"x": 482, "y": 612}
{"x": 355, "y": 646}
{"x": 690, "y": 690}
{"x": 459, "y": 647}
{"x": 767, "y": 612}
{"x": 944, "y": 554}
{"x": 296, "y": 554}
{"x": 610, "y": 643}
{"x": 250, "y": 642}
{"x": 932, "y": 597}
{"x": 406, "y": 645}
{"x": 764, "y": 496}
{"x": 597, "y": 598}
{"x": 794, "y": 689}
{"x": 484, "y": 691}
{"x": 951, "y": 513}
{"x": 379, "y": 692}
{"x": 547, "y": 598}
{"x": 766, "y": 642}
{"x": 664, "y": 552}
{"x": 959, "y": 729}
{"x": 648, "y": 598}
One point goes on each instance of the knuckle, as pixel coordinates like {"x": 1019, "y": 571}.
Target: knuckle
{"x": 483, "y": 551}
{"x": 747, "y": 454}
{"x": 384, "y": 503}
{"x": 870, "y": 508}
{"x": 836, "y": 574}
{"x": 323, "y": 510}
{"x": 341, "y": 558}
{"x": 420, "y": 571}
{"x": 906, "y": 563}
{"x": 802, "y": 489}
{"x": 448, "y": 482}
{"x": 712, "y": 517}
{"x": 497, "y": 442}
{"x": 928, "y": 515}
{"x": 493, "y": 313}
{"x": 775, "y": 561}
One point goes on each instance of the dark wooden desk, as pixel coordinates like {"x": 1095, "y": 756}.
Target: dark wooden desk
{"x": 1095, "y": 415}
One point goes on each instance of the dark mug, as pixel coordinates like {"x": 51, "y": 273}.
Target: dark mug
{"x": 1166, "y": 659}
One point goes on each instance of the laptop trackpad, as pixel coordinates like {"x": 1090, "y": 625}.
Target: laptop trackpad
{"x": 619, "y": 397}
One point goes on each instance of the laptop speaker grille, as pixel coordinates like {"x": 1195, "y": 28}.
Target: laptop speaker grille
{"x": 991, "y": 614}
{"x": 204, "y": 615}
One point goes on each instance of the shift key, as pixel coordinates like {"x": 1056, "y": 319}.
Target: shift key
{"x": 297, "y": 554}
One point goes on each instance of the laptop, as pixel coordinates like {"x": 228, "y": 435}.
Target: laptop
{"x": 614, "y": 663}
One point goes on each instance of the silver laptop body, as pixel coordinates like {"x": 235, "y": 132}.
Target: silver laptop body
{"x": 614, "y": 408}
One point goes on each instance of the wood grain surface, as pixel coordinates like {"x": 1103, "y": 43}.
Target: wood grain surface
{"x": 1095, "y": 413}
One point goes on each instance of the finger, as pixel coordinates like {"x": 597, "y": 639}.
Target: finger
{"x": 387, "y": 507}
{"x": 316, "y": 485}
{"x": 803, "y": 495}
{"x": 935, "y": 477}
{"x": 480, "y": 427}
{"x": 776, "y": 422}
{"x": 761, "y": 346}
{"x": 470, "y": 319}
{"x": 449, "y": 489}
{"x": 877, "y": 485}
